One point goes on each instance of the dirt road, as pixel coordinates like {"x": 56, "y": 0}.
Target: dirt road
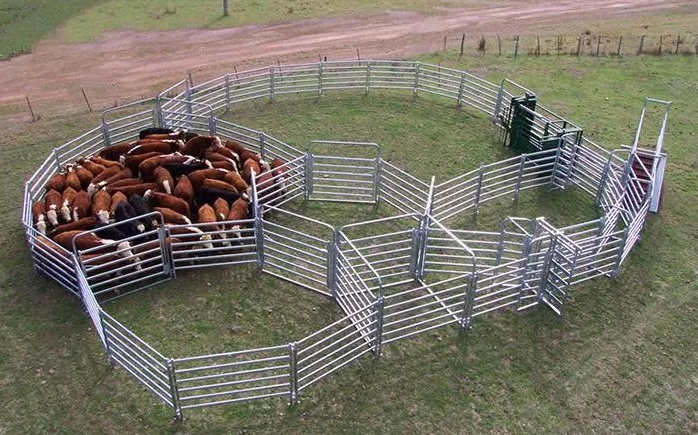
{"x": 125, "y": 64}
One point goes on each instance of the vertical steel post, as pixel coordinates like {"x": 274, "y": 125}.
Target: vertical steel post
{"x": 262, "y": 140}
{"x": 469, "y": 301}
{"x": 545, "y": 269}
{"x": 57, "y": 159}
{"x": 619, "y": 258}
{"x": 377, "y": 180}
{"x": 105, "y": 133}
{"x": 174, "y": 391}
{"x": 459, "y": 99}
{"x": 293, "y": 373}
{"x": 189, "y": 106}
{"x": 259, "y": 238}
{"x": 500, "y": 244}
{"x": 308, "y": 175}
{"x": 496, "y": 117}
{"x": 227, "y": 92}
{"x": 602, "y": 182}
{"x": 332, "y": 265}
{"x": 271, "y": 84}
{"x": 107, "y": 348}
{"x": 415, "y": 89}
{"x": 212, "y": 127}
{"x": 480, "y": 175}
{"x": 378, "y": 339}
{"x": 319, "y": 79}
{"x": 526, "y": 254}
{"x": 556, "y": 164}
{"x": 167, "y": 260}
{"x": 414, "y": 253}
{"x": 368, "y": 77}
{"x": 519, "y": 179}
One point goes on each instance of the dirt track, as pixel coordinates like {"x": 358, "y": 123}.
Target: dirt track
{"x": 129, "y": 64}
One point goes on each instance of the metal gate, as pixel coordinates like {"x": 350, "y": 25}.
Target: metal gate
{"x": 343, "y": 171}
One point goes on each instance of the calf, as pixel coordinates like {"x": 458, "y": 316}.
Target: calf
{"x": 116, "y": 199}
{"x": 168, "y": 201}
{"x": 239, "y": 210}
{"x": 91, "y": 166}
{"x": 72, "y": 180}
{"x": 84, "y": 224}
{"x": 207, "y": 215}
{"x": 197, "y": 177}
{"x": 208, "y": 195}
{"x": 139, "y": 189}
{"x": 164, "y": 179}
{"x": 184, "y": 189}
{"x": 123, "y": 212}
{"x": 53, "y": 204}
{"x": 56, "y": 182}
{"x": 198, "y": 145}
{"x": 141, "y": 208}
{"x": 221, "y": 207}
{"x": 153, "y": 130}
{"x": 81, "y": 205}
{"x": 39, "y": 216}
{"x": 185, "y": 168}
{"x": 132, "y": 162}
{"x": 84, "y": 175}
{"x": 67, "y": 199}
{"x": 102, "y": 176}
{"x": 249, "y": 168}
{"x": 101, "y": 205}
{"x": 113, "y": 152}
{"x": 172, "y": 217}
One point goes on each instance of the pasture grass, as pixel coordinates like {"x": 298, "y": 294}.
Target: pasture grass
{"x": 179, "y": 14}
{"x": 623, "y": 359}
{"x": 24, "y": 22}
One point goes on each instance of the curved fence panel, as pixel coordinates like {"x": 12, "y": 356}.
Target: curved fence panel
{"x": 337, "y": 345}
{"x": 125, "y": 122}
{"x": 401, "y": 190}
{"x": 231, "y": 377}
{"x": 137, "y": 358}
{"x": 200, "y": 245}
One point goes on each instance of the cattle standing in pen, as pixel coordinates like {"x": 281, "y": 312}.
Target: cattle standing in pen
{"x": 168, "y": 201}
{"x": 81, "y": 205}
{"x": 101, "y": 205}
{"x": 39, "y": 216}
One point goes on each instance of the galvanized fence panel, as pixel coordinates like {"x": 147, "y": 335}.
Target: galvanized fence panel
{"x": 297, "y": 249}
{"x": 598, "y": 256}
{"x": 336, "y": 346}
{"x": 137, "y": 357}
{"x": 446, "y": 255}
{"x": 436, "y": 80}
{"x": 287, "y": 182}
{"x": 52, "y": 260}
{"x": 199, "y": 245}
{"x": 248, "y": 137}
{"x": 341, "y": 75}
{"x": 250, "y": 85}
{"x": 389, "y": 75}
{"x": 273, "y": 148}
{"x": 351, "y": 292}
{"x": 383, "y": 252}
{"x": 231, "y": 377}
{"x": 213, "y": 93}
{"x": 294, "y": 79}
{"x": 350, "y": 177}
{"x": 123, "y": 123}
{"x": 499, "y": 287}
{"x": 401, "y": 190}
{"x": 120, "y": 267}
{"x": 82, "y": 146}
{"x": 424, "y": 306}
{"x": 90, "y": 302}
{"x": 188, "y": 115}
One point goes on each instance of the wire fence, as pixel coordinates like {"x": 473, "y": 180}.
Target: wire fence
{"x": 394, "y": 277}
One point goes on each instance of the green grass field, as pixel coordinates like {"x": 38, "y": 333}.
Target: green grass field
{"x": 623, "y": 360}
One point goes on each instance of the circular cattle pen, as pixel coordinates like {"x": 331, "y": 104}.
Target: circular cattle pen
{"x": 397, "y": 274}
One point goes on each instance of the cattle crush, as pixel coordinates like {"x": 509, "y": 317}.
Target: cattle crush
{"x": 394, "y": 277}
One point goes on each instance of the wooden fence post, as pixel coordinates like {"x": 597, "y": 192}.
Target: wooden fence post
{"x": 225, "y": 8}
{"x": 659, "y": 51}
{"x": 620, "y": 41}
{"x": 598, "y": 45}
{"x": 462, "y": 45}
{"x": 579, "y": 46}
{"x": 516, "y": 46}
{"x": 642, "y": 43}
{"x": 499, "y": 44}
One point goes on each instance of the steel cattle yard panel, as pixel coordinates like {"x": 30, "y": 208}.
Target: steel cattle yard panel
{"x": 393, "y": 277}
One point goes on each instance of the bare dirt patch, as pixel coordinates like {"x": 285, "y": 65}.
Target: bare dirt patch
{"x": 131, "y": 64}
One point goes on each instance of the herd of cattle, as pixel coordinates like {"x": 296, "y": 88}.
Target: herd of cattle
{"x": 188, "y": 178}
